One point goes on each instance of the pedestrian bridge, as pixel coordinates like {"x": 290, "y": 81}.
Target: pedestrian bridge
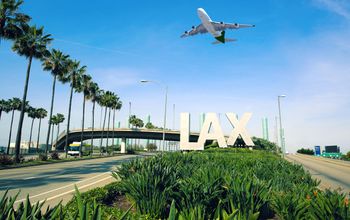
{"x": 124, "y": 133}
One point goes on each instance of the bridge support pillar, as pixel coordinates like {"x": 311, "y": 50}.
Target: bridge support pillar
{"x": 123, "y": 146}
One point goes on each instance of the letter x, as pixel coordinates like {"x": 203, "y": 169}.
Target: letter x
{"x": 239, "y": 128}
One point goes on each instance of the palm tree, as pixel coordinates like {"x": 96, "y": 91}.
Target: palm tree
{"x": 11, "y": 21}
{"x": 94, "y": 96}
{"x": 14, "y": 104}
{"x": 56, "y": 63}
{"x": 41, "y": 113}
{"x": 52, "y": 122}
{"x": 117, "y": 105}
{"x": 3, "y": 104}
{"x": 84, "y": 87}
{"x": 32, "y": 113}
{"x": 73, "y": 76}
{"x": 31, "y": 45}
{"x": 106, "y": 101}
{"x": 60, "y": 119}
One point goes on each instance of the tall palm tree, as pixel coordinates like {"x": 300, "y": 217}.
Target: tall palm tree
{"x": 14, "y": 104}
{"x": 117, "y": 105}
{"x": 60, "y": 119}
{"x": 11, "y": 20}
{"x": 52, "y": 122}
{"x": 32, "y": 113}
{"x": 94, "y": 96}
{"x": 56, "y": 63}
{"x": 4, "y": 106}
{"x": 106, "y": 101}
{"x": 31, "y": 45}
{"x": 84, "y": 87}
{"x": 41, "y": 113}
{"x": 73, "y": 77}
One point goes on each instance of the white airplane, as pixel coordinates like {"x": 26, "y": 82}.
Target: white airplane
{"x": 217, "y": 29}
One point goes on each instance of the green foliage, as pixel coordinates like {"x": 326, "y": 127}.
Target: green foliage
{"x": 306, "y": 151}
{"x": 80, "y": 208}
{"x": 151, "y": 147}
{"x": 216, "y": 184}
{"x": 43, "y": 157}
{"x": 263, "y": 144}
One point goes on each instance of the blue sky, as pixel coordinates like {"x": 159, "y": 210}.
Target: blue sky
{"x": 298, "y": 48}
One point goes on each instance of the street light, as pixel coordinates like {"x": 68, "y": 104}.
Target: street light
{"x": 165, "y": 106}
{"x": 281, "y": 130}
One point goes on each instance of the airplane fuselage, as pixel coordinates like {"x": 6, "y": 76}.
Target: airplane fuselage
{"x": 206, "y": 21}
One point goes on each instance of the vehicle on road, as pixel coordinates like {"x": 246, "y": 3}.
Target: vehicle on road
{"x": 73, "y": 149}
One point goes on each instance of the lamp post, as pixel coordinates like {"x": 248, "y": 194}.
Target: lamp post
{"x": 165, "y": 107}
{"x": 281, "y": 129}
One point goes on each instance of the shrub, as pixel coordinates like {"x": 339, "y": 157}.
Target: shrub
{"x": 54, "y": 155}
{"x": 43, "y": 157}
{"x": 306, "y": 151}
{"x": 6, "y": 160}
{"x": 151, "y": 147}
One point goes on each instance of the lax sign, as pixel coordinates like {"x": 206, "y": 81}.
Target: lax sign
{"x": 212, "y": 121}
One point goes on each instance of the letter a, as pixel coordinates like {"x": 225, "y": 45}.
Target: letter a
{"x": 212, "y": 120}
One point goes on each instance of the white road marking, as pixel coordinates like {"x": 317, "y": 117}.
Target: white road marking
{"x": 82, "y": 187}
{"x": 50, "y": 191}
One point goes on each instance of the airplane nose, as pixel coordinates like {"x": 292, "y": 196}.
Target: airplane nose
{"x": 200, "y": 10}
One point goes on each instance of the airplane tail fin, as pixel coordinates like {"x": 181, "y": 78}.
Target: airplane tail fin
{"x": 226, "y": 40}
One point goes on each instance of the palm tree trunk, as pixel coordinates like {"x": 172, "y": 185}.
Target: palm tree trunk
{"x": 0, "y": 113}
{"x": 37, "y": 142}
{"x": 103, "y": 128}
{"x": 53, "y": 128}
{"x": 109, "y": 119}
{"x": 69, "y": 111}
{"x": 82, "y": 130}
{"x": 21, "y": 117}
{"x": 113, "y": 126}
{"x": 58, "y": 132}
{"x": 30, "y": 136}
{"x": 9, "y": 142}
{"x": 93, "y": 124}
{"x": 51, "y": 109}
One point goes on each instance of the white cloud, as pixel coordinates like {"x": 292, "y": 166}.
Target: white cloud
{"x": 340, "y": 7}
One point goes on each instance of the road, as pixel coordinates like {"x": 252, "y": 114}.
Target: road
{"x": 333, "y": 174}
{"x": 55, "y": 182}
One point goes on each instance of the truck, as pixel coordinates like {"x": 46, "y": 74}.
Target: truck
{"x": 73, "y": 149}
{"x": 332, "y": 151}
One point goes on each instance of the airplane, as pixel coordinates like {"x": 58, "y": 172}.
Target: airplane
{"x": 217, "y": 29}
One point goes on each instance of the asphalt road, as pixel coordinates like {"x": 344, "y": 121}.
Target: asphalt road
{"x": 334, "y": 174}
{"x": 55, "y": 182}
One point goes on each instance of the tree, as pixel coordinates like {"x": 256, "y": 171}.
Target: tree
{"x": 3, "y": 106}
{"x": 31, "y": 45}
{"x": 84, "y": 87}
{"x": 107, "y": 100}
{"x": 32, "y": 113}
{"x": 60, "y": 119}
{"x": 73, "y": 77}
{"x": 52, "y": 122}
{"x": 117, "y": 105}
{"x": 56, "y": 63}
{"x": 94, "y": 96}
{"x": 14, "y": 104}
{"x": 306, "y": 151}
{"x": 41, "y": 113}
{"x": 149, "y": 125}
{"x": 263, "y": 144}
{"x": 11, "y": 20}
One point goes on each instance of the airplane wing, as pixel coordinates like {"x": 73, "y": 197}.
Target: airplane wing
{"x": 200, "y": 29}
{"x": 221, "y": 26}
